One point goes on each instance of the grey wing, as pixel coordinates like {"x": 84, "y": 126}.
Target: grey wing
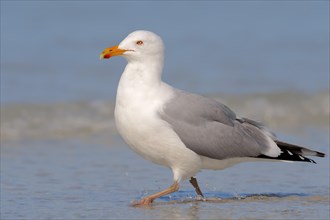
{"x": 211, "y": 129}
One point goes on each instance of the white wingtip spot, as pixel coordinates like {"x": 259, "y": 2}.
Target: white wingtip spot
{"x": 273, "y": 150}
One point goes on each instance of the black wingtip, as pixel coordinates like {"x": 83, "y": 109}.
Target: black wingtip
{"x": 287, "y": 155}
{"x": 319, "y": 154}
{"x": 298, "y": 149}
{"x": 312, "y": 161}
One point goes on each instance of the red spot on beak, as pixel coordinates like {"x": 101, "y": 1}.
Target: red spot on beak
{"x": 106, "y": 56}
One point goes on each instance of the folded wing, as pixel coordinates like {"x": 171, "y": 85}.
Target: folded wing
{"x": 211, "y": 129}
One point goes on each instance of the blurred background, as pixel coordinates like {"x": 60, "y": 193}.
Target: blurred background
{"x": 267, "y": 60}
{"x": 235, "y": 51}
{"x": 49, "y": 50}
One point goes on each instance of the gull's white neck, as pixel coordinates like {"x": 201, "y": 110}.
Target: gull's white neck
{"x": 141, "y": 76}
{"x": 142, "y": 73}
{"x": 141, "y": 80}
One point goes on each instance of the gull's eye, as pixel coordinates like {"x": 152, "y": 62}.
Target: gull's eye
{"x": 139, "y": 42}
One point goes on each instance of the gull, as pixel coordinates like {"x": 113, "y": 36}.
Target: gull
{"x": 183, "y": 131}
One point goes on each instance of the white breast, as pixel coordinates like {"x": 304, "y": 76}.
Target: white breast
{"x": 137, "y": 120}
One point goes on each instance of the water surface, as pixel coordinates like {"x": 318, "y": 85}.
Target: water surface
{"x": 84, "y": 179}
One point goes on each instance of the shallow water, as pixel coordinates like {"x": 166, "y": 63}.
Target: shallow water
{"x": 86, "y": 178}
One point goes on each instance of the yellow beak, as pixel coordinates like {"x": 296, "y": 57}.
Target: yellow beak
{"x": 111, "y": 51}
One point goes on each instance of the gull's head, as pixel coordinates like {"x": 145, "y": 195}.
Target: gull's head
{"x": 138, "y": 45}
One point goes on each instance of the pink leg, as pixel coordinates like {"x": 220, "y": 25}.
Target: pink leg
{"x": 146, "y": 201}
